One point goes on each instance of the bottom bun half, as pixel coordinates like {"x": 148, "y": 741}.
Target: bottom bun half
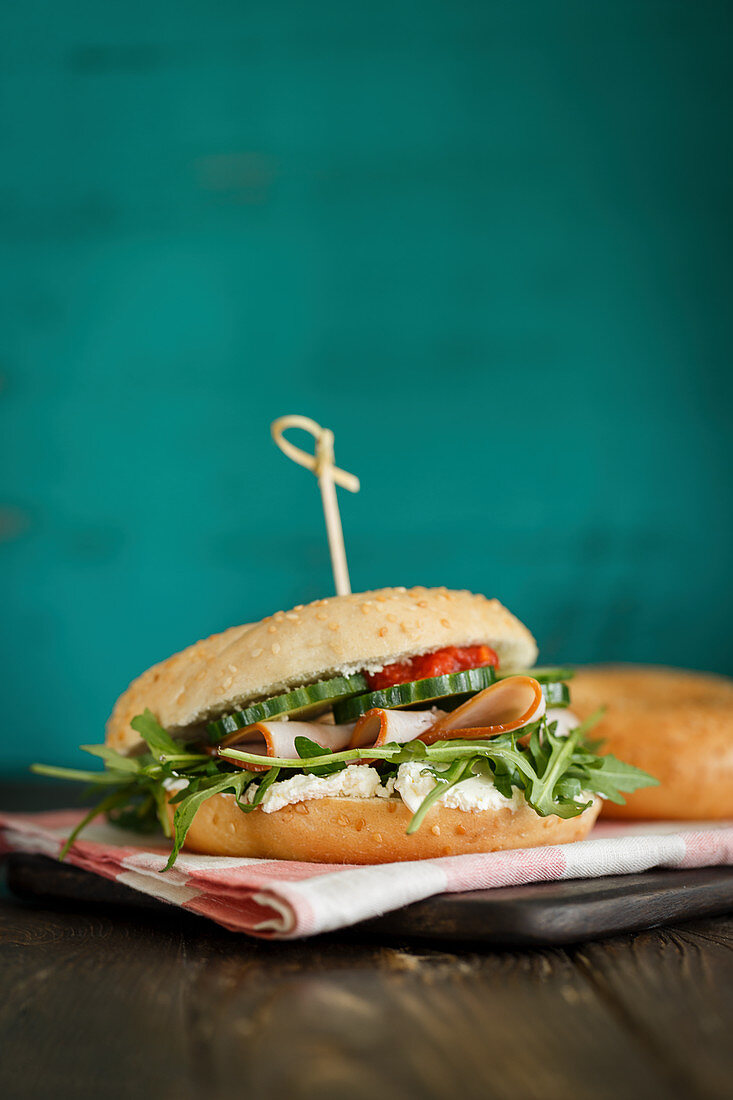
{"x": 357, "y": 830}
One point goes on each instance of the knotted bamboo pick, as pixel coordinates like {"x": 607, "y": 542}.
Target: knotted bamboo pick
{"x": 329, "y": 476}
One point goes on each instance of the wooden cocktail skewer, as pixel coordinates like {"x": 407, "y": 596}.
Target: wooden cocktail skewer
{"x": 329, "y": 476}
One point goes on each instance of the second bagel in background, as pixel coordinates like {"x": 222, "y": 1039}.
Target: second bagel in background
{"x": 675, "y": 724}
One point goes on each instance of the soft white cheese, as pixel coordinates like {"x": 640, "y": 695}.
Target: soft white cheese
{"x": 360, "y": 781}
{"x": 566, "y": 720}
{"x": 387, "y": 789}
{"x": 172, "y": 785}
{"x": 356, "y": 781}
{"x": 472, "y": 795}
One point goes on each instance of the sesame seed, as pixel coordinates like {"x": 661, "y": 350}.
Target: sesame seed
{"x": 382, "y": 631}
{"x": 272, "y": 629}
{"x": 360, "y": 824}
{"x": 444, "y": 622}
{"x": 461, "y": 830}
{"x": 226, "y": 682}
{"x": 435, "y": 830}
{"x": 391, "y": 618}
{"x": 381, "y": 599}
{"x": 342, "y": 820}
{"x": 404, "y": 628}
{"x": 378, "y": 838}
{"x": 232, "y": 668}
{"x": 275, "y": 647}
{"x": 422, "y": 603}
{"x": 292, "y": 616}
{"x": 365, "y": 609}
{"x": 334, "y": 626}
{"x": 301, "y": 808}
{"x": 391, "y": 807}
{"x": 322, "y": 616}
{"x": 298, "y": 607}
{"x": 255, "y": 653}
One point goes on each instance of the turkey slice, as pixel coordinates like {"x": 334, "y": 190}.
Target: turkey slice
{"x": 378, "y": 726}
{"x": 501, "y": 708}
{"x": 277, "y": 739}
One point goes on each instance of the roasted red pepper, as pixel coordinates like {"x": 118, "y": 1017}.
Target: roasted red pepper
{"x": 443, "y": 661}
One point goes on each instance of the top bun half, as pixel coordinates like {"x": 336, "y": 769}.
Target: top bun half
{"x": 340, "y": 635}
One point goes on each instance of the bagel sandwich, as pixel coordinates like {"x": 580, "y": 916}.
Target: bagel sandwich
{"x": 669, "y": 721}
{"x": 382, "y": 726}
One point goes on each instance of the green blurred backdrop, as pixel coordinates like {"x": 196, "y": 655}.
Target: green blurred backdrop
{"x": 488, "y": 244}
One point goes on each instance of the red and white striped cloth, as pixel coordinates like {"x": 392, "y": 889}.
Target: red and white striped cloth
{"x": 279, "y": 899}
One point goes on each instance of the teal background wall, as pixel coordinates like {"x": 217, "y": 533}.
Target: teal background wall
{"x": 488, "y": 244}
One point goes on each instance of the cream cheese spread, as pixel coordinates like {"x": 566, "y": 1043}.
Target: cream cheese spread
{"x": 173, "y": 785}
{"x": 413, "y": 784}
{"x": 360, "y": 781}
{"x": 566, "y": 720}
{"x": 356, "y": 781}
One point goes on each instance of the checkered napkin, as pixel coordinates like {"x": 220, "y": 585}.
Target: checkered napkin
{"x": 279, "y": 899}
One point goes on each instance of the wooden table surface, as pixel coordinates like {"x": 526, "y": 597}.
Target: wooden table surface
{"x": 104, "y": 1004}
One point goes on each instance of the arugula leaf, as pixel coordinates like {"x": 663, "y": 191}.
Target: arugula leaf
{"x": 608, "y": 775}
{"x": 444, "y": 780}
{"x": 117, "y": 798}
{"x": 568, "y": 788}
{"x": 77, "y": 774}
{"x": 539, "y": 749}
{"x": 158, "y": 741}
{"x": 541, "y": 793}
{"x": 187, "y": 807}
{"x": 500, "y": 772}
{"x": 412, "y": 750}
{"x": 262, "y": 789}
{"x": 307, "y": 750}
{"x": 113, "y": 759}
{"x": 161, "y": 809}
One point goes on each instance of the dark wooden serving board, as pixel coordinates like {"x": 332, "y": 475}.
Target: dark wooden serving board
{"x": 538, "y": 915}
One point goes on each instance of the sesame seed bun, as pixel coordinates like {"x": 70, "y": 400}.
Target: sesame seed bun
{"x": 674, "y": 724}
{"x": 372, "y": 830}
{"x": 340, "y": 635}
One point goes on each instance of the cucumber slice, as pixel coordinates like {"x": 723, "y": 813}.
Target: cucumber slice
{"x": 400, "y": 696}
{"x": 556, "y": 695}
{"x": 304, "y": 702}
{"x": 447, "y": 692}
{"x": 545, "y": 675}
